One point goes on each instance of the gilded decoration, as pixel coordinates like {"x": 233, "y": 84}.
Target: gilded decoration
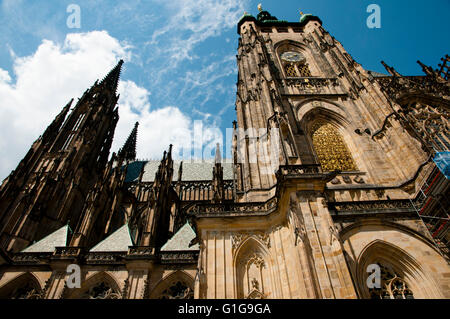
{"x": 330, "y": 148}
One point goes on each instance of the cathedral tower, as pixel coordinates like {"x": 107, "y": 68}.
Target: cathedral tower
{"x": 326, "y": 176}
{"x": 48, "y": 188}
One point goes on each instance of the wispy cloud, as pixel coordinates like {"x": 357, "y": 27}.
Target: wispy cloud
{"x": 191, "y": 23}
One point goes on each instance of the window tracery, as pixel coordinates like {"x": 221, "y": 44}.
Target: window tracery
{"x": 393, "y": 286}
{"x": 178, "y": 290}
{"x": 101, "y": 291}
{"x": 27, "y": 291}
{"x": 331, "y": 149}
{"x": 431, "y": 123}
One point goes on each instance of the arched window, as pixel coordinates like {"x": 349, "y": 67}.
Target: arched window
{"x": 330, "y": 148}
{"x": 253, "y": 271}
{"x": 392, "y": 286}
{"x": 23, "y": 287}
{"x": 177, "y": 285}
{"x": 27, "y": 291}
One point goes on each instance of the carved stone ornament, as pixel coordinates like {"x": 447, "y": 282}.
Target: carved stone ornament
{"x": 359, "y": 180}
{"x": 238, "y": 238}
{"x": 253, "y": 258}
{"x": 101, "y": 291}
{"x": 178, "y": 290}
{"x": 335, "y": 181}
{"x": 346, "y": 179}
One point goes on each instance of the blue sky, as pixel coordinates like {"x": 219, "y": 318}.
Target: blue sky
{"x": 180, "y": 60}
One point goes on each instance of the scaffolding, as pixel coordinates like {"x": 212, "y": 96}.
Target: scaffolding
{"x": 432, "y": 206}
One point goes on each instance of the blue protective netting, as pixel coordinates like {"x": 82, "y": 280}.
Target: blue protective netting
{"x": 442, "y": 161}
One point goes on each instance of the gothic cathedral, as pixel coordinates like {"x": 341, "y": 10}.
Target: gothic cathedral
{"x": 336, "y": 171}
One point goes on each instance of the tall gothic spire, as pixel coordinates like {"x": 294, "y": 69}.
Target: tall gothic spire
{"x": 112, "y": 79}
{"x": 128, "y": 151}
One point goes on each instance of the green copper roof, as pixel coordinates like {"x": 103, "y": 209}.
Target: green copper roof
{"x": 181, "y": 240}
{"x": 265, "y": 19}
{"x": 304, "y": 17}
{"x": 266, "y": 16}
{"x": 48, "y": 244}
{"x": 246, "y": 14}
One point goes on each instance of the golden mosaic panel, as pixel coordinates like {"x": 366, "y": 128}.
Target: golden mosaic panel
{"x": 330, "y": 148}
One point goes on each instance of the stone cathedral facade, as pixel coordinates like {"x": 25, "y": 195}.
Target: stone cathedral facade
{"x": 352, "y": 183}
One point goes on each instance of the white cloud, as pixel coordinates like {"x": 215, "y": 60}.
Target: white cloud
{"x": 46, "y": 80}
{"x": 161, "y": 127}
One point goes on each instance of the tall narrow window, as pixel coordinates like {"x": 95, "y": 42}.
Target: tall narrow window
{"x": 330, "y": 148}
{"x": 73, "y": 131}
{"x": 304, "y": 70}
{"x": 290, "y": 70}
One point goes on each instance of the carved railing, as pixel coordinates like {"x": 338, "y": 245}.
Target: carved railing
{"x": 371, "y": 206}
{"x": 396, "y": 86}
{"x": 235, "y": 208}
{"x": 203, "y": 190}
{"x": 144, "y": 186}
{"x": 68, "y": 251}
{"x": 140, "y": 251}
{"x": 134, "y": 252}
{"x": 104, "y": 257}
{"x": 305, "y": 83}
{"x": 30, "y": 258}
{"x": 177, "y": 257}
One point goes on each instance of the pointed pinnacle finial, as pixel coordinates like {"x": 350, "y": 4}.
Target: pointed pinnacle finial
{"x": 218, "y": 159}
{"x": 260, "y": 7}
{"x": 390, "y": 69}
{"x": 112, "y": 78}
{"x": 426, "y": 69}
{"x": 128, "y": 151}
